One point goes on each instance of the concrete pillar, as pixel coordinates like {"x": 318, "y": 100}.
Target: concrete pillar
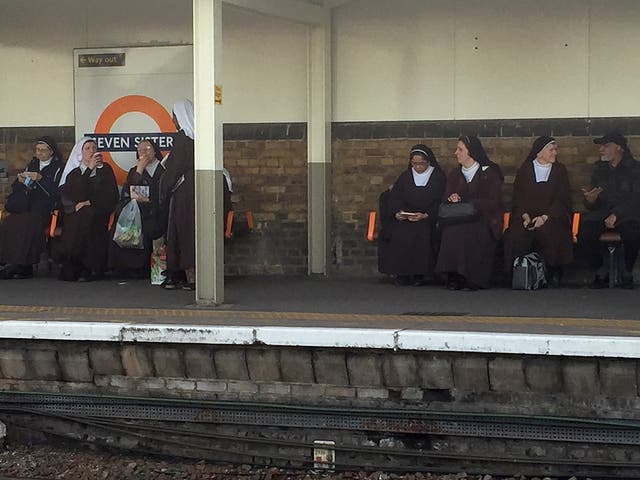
{"x": 207, "y": 52}
{"x": 319, "y": 146}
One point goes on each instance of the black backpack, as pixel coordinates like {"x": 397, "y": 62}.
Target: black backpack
{"x": 529, "y": 272}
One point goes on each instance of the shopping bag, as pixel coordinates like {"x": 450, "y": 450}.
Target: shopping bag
{"x": 529, "y": 272}
{"x": 158, "y": 262}
{"x": 128, "y": 232}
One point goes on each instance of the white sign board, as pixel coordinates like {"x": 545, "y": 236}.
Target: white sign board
{"x": 123, "y": 95}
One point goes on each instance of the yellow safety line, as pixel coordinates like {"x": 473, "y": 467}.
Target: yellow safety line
{"x": 134, "y": 314}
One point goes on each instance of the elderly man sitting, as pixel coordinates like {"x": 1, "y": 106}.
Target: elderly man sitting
{"x": 613, "y": 202}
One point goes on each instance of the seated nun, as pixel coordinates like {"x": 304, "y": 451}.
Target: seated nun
{"x": 413, "y": 200}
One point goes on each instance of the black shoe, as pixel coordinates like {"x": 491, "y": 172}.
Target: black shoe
{"x": 453, "y": 282}
{"x": 22, "y": 276}
{"x": 16, "y": 272}
{"x": 555, "y": 277}
{"x": 419, "y": 281}
{"x": 97, "y": 275}
{"x": 402, "y": 280}
{"x": 627, "y": 282}
{"x": 189, "y": 286}
{"x": 171, "y": 284}
{"x": 469, "y": 286}
{"x": 599, "y": 282}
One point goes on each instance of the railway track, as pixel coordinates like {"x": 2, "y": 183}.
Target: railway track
{"x": 189, "y": 429}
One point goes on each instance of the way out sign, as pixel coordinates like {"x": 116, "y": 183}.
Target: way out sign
{"x": 120, "y": 105}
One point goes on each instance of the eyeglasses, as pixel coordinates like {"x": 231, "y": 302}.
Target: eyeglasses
{"x": 43, "y": 149}
{"x": 418, "y": 164}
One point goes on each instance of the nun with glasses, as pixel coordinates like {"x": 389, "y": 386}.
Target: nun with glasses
{"x": 177, "y": 192}
{"x": 413, "y": 202}
{"x": 34, "y": 194}
{"x": 541, "y": 211}
{"x": 467, "y": 248}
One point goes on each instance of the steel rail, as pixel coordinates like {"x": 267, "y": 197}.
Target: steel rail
{"x": 467, "y": 426}
{"x": 127, "y": 429}
{"x": 37, "y": 397}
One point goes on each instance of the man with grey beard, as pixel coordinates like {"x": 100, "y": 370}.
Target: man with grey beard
{"x": 613, "y": 202}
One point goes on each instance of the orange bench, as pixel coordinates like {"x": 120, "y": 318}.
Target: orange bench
{"x": 228, "y": 229}
{"x": 55, "y": 230}
{"x": 575, "y": 225}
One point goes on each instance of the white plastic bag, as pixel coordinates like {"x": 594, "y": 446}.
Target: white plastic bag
{"x": 128, "y": 233}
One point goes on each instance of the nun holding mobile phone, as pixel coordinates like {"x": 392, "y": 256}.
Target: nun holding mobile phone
{"x": 89, "y": 196}
{"x": 34, "y": 194}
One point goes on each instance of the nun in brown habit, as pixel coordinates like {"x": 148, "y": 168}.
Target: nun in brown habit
{"x": 414, "y": 201}
{"x": 541, "y": 212}
{"x": 177, "y": 190}
{"x": 22, "y": 233}
{"x": 467, "y": 250}
{"x": 89, "y": 195}
{"x": 146, "y": 173}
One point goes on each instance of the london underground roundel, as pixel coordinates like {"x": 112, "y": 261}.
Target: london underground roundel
{"x": 118, "y": 108}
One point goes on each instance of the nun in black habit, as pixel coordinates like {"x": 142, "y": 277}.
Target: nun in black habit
{"x": 414, "y": 201}
{"x": 34, "y": 195}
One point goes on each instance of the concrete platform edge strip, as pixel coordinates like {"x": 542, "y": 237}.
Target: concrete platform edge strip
{"x": 321, "y": 337}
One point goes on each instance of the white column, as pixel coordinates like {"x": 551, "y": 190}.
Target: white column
{"x": 319, "y": 146}
{"x": 207, "y": 63}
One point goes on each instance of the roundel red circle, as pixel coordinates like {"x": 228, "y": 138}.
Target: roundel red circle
{"x": 128, "y": 104}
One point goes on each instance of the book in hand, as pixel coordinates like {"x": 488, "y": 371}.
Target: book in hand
{"x": 137, "y": 191}
{"x": 407, "y": 215}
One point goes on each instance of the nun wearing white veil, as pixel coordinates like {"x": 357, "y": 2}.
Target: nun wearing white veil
{"x": 89, "y": 195}
{"x": 178, "y": 188}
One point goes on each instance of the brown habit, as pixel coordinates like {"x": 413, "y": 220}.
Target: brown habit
{"x": 553, "y": 198}
{"x": 181, "y": 243}
{"x": 138, "y": 258}
{"x": 469, "y": 248}
{"x": 85, "y": 236}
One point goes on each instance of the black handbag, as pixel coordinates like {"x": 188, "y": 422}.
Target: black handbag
{"x": 17, "y": 201}
{"x": 459, "y": 212}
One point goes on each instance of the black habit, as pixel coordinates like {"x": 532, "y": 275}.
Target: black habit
{"x": 621, "y": 196}
{"x": 468, "y": 249}
{"x": 410, "y": 245}
{"x": 85, "y": 236}
{"x": 23, "y": 235}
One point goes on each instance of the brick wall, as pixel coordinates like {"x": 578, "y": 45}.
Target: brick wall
{"x": 536, "y": 384}
{"x": 594, "y": 389}
{"x": 368, "y": 157}
{"x": 268, "y": 166}
{"x": 267, "y": 163}
{"x": 270, "y": 179}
